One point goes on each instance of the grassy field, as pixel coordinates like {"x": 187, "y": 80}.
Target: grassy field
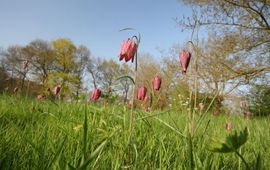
{"x": 43, "y": 135}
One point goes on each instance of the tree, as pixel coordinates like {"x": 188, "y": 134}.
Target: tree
{"x": 58, "y": 62}
{"x": 12, "y": 60}
{"x": 3, "y": 78}
{"x": 245, "y": 20}
{"x": 92, "y": 68}
{"x": 214, "y": 75}
{"x": 41, "y": 57}
{"x": 82, "y": 57}
{"x": 237, "y": 49}
{"x": 259, "y": 98}
{"x": 64, "y": 52}
{"x": 108, "y": 73}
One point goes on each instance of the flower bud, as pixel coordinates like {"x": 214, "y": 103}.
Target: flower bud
{"x": 201, "y": 106}
{"x": 141, "y": 93}
{"x": 57, "y": 89}
{"x": 40, "y": 96}
{"x": 24, "y": 64}
{"x": 96, "y": 93}
{"x": 128, "y": 50}
{"x": 228, "y": 125}
{"x": 247, "y": 114}
{"x": 184, "y": 60}
{"x": 156, "y": 83}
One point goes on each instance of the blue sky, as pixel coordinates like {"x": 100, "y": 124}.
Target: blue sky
{"x": 93, "y": 23}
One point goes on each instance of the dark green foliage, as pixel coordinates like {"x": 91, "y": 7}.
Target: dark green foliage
{"x": 231, "y": 144}
{"x": 260, "y": 100}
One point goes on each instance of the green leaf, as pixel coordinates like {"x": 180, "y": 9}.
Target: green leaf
{"x": 58, "y": 152}
{"x": 71, "y": 167}
{"x": 93, "y": 155}
{"x": 144, "y": 120}
{"x": 134, "y": 154}
{"x": 219, "y": 146}
{"x": 258, "y": 163}
{"x": 85, "y": 131}
{"x": 124, "y": 77}
{"x": 190, "y": 152}
{"x": 231, "y": 143}
{"x": 97, "y": 151}
{"x": 28, "y": 140}
{"x": 236, "y": 140}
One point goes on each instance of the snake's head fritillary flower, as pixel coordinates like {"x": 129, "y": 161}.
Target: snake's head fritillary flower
{"x": 96, "y": 93}
{"x": 156, "y": 83}
{"x": 201, "y": 106}
{"x": 216, "y": 113}
{"x": 146, "y": 109}
{"x": 15, "y": 90}
{"x": 141, "y": 93}
{"x": 40, "y": 96}
{"x": 130, "y": 103}
{"x": 146, "y": 98}
{"x": 247, "y": 114}
{"x": 184, "y": 60}
{"x": 48, "y": 89}
{"x": 244, "y": 104}
{"x": 128, "y": 50}
{"x": 24, "y": 64}
{"x": 228, "y": 125}
{"x": 57, "y": 89}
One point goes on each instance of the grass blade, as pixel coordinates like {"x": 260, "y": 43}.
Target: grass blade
{"x": 85, "y": 131}
{"x": 57, "y": 154}
{"x": 96, "y": 152}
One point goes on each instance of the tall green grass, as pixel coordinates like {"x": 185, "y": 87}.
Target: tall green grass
{"x": 42, "y": 135}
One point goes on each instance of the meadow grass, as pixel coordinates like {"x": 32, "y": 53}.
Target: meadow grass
{"x": 40, "y": 135}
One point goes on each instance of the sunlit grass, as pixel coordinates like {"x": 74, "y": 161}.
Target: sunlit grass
{"x": 42, "y": 135}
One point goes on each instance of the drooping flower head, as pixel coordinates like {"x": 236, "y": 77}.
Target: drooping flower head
{"x": 130, "y": 103}
{"x": 146, "y": 98}
{"x": 57, "y": 89}
{"x": 15, "y": 90}
{"x": 24, "y": 64}
{"x": 128, "y": 50}
{"x": 247, "y": 114}
{"x": 141, "y": 93}
{"x": 201, "y": 106}
{"x": 228, "y": 125}
{"x": 184, "y": 60}
{"x": 96, "y": 93}
{"x": 156, "y": 83}
{"x": 216, "y": 112}
{"x": 41, "y": 96}
{"x": 146, "y": 109}
{"x": 244, "y": 104}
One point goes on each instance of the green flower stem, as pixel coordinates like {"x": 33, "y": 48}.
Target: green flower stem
{"x": 242, "y": 158}
{"x": 192, "y": 111}
{"x": 132, "y": 116}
